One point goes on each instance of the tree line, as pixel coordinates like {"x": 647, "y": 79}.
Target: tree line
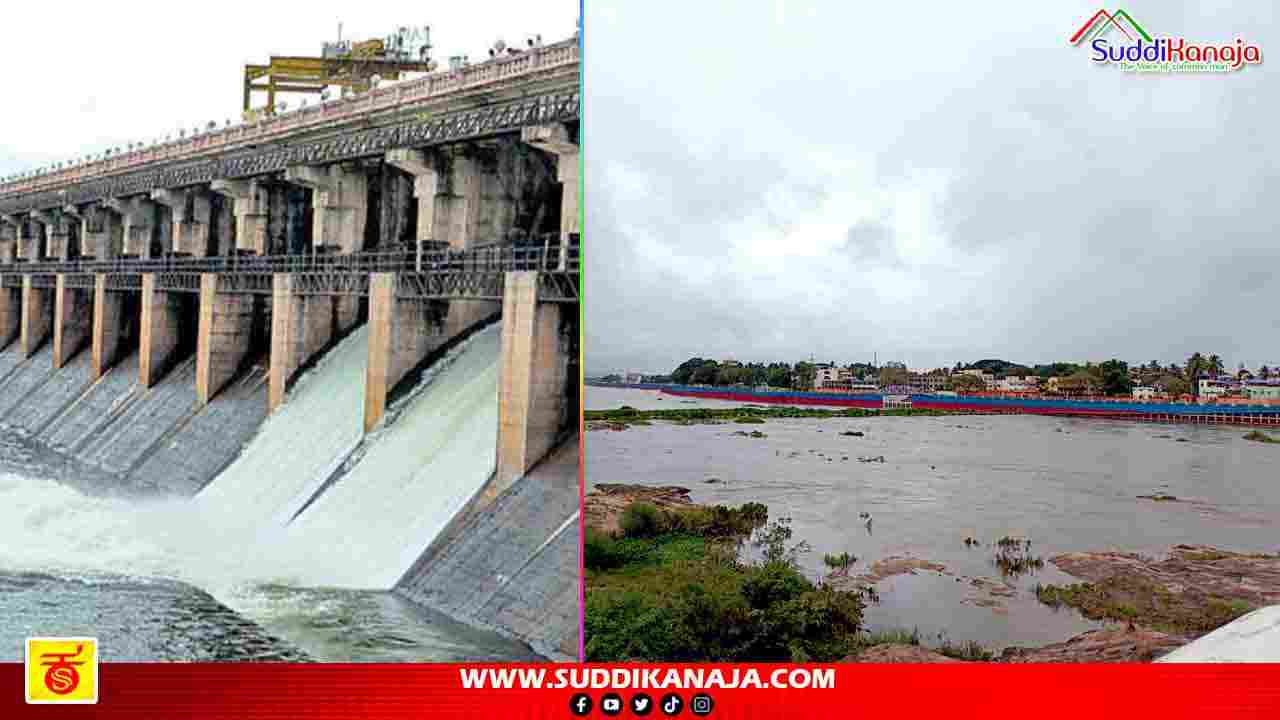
{"x": 1111, "y": 377}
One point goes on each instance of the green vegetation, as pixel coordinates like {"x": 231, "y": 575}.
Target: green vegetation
{"x": 672, "y": 588}
{"x": 842, "y": 561}
{"x": 970, "y": 651}
{"x": 1140, "y": 601}
{"x": 626, "y": 415}
{"x": 1259, "y": 436}
{"x": 896, "y": 636}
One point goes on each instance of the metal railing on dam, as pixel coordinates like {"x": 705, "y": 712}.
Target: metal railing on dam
{"x": 476, "y": 273}
{"x": 537, "y": 86}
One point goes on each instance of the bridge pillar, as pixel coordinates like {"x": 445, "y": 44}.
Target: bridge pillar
{"x": 447, "y": 187}
{"x": 108, "y": 326}
{"x": 103, "y": 231}
{"x": 192, "y": 212}
{"x": 533, "y": 377}
{"x": 426, "y": 183}
{"x": 30, "y": 239}
{"x": 55, "y": 244}
{"x": 37, "y": 317}
{"x": 72, "y": 315}
{"x": 301, "y": 326}
{"x": 341, "y": 205}
{"x": 226, "y": 321}
{"x": 161, "y": 313}
{"x": 10, "y": 315}
{"x": 554, "y": 139}
{"x": 140, "y": 224}
{"x": 75, "y": 224}
{"x": 250, "y": 205}
{"x": 401, "y": 333}
{"x": 8, "y": 239}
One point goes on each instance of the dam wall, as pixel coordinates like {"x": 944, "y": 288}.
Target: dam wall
{"x": 510, "y": 563}
{"x": 114, "y": 428}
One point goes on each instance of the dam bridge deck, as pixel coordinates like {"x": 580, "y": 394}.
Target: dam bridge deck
{"x": 475, "y": 274}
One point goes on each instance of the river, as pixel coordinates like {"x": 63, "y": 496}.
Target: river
{"x": 1065, "y": 484}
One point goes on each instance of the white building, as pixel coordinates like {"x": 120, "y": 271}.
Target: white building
{"x": 1215, "y": 387}
{"x": 1143, "y": 392}
{"x": 988, "y": 380}
{"x": 826, "y": 376}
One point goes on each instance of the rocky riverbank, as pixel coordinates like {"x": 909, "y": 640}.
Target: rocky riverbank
{"x": 1157, "y": 605}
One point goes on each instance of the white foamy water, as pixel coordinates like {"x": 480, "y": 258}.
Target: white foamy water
{"x": 362, "y": 532}
{"x": 413, "y": 477}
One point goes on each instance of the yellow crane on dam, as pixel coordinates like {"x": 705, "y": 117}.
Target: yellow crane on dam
{"x": 351, "y": 66}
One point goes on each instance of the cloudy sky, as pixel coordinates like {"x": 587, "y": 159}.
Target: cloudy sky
{"x": 933, "y": 183}
{"x": 84, "y": 78}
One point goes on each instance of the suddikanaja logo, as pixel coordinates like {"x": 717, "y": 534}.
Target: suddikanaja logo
{"x": 62, "y": 670}
{"x": 1116, "y": 38}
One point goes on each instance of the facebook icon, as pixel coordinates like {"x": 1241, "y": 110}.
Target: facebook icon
{"x": 580, "y": 705}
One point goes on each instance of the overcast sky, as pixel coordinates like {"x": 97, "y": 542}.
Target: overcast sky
{"x": 935, "y": 183}
{"x": 86, "y": 77}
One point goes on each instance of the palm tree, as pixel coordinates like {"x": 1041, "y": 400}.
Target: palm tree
{"x": 1216, "y": 365}
{"x": 1196, "y": 364}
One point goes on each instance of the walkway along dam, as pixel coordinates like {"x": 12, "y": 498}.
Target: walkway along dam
{"x": 355, "y": 324}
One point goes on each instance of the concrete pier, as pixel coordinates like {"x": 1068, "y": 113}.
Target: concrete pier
{"x": 401, "y": 334}
{"x": 223, "y": 341}
{"x": 72, "y": 320}
{"x": 108, "y": 326}
{"x": 140, "y": 224}
{"x": 56, "y": 243}
{"x": 37, "y": 317}
{"x": 532, "y": 380}
{"x": 340, "y": 204}
{"x": 301, "y": 326}
{"x": 29, "y": 238}
{"x": 161, "y": 313}
{"x": 103, "y": 231}
{"x": 426, "y": 183}
{"x": 250, "y": 206}
{"x": 192, "y": 210}
{"x": 555, "y": 140}
{"x": 10, "y": 315}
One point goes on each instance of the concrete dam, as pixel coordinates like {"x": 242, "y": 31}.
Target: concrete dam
{"x": 339, "y": 345}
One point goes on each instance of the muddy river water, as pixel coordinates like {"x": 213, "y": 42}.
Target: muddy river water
{"x": 1064, "y": 484}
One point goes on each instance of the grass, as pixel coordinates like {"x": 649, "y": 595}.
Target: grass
{"x": 1013, "y": 564}
{"x": 1259, "y": 436}
{"x": 671, "y": 588}
{"x": 627, "y": 415}
{"x": 894, "y": 636}
{"x": 842, "y": 561}
{"x": 1139, "y": 601}
{"x": 970, "y": 651}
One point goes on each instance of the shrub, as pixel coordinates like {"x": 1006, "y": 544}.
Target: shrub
{"x": 602, "y": 552}
{"x": 642, "y": 519}
{"x": 971, "y": 651}
{"x": 772, "y": 540}
{"x": 841, "y": 561}
{"x": 774, "y": 583}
